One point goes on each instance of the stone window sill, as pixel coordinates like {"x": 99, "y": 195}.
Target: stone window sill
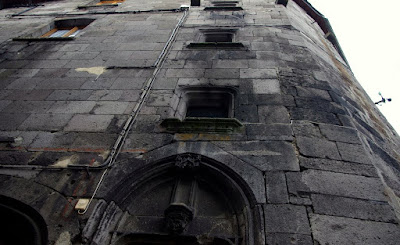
{"x": 43, "y": 38}
{"x": 235, "y": 45}
{"x": 97, "y": 6}
{"x": 223, "y": 8}
{"x": 202, "y": 125}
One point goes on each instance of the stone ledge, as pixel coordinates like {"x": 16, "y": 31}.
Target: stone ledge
{"x": 236, "y": 45}
{"x": 43, "y": 38}
{"x": 223, "y": 8}
{"x": 199, "y": 124}
{"x": 97, "y": 6}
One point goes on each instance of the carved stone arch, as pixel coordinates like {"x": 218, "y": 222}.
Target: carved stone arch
{"x": 18, "y": 218}
{"x": 186, "y": 199}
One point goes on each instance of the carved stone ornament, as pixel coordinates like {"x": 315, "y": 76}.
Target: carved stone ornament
{"x": 187, "y": 161}
{"x": 177, "y": 217}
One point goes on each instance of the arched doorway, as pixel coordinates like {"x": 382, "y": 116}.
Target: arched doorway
{"x": 187, "y": 199}
{"x": 20, "y": 224}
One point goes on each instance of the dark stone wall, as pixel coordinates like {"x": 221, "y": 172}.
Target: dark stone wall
{"x": 304, "y": 158}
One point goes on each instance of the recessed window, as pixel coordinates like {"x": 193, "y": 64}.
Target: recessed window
{"x": 283, "y": 2}
{"x": 206, "y": 103}
{"x": 194, "y": 2}
{"x": 211, "y": 38}
{"x": 218, "y": 37}
{"x": 209, "y": 104}
{"x": 206, "y": 110}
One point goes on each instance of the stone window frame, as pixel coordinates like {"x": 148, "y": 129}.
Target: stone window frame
{"x": 180, "y": 123}
{"x": 43, "y": 33}
{"x": 196, "y": 94}
{"x": 202, "y": 42}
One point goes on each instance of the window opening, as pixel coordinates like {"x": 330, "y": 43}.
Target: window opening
{"x": 283, "y": 2}
{"x": 216, "y": 38}
{"x": 213, "y": 104}
{"x": 208, "y": 105}
{"x": 194, "y": 2}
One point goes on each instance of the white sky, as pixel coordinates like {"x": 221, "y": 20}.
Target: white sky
{"x": 369, "y": 34}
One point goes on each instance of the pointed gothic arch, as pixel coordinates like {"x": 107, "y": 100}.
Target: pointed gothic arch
{"x": 186, "y": 199}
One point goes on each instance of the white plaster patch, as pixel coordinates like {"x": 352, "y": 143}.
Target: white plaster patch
{"x": 65, "y": 161}
{"x": 97, "y": 70}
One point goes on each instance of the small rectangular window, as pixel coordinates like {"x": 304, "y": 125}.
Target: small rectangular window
{"x": 283, "y": 2}
{"x": 212, "y": 38}
{"x": 210, "y": 104}
{"x": 218, "y": 37}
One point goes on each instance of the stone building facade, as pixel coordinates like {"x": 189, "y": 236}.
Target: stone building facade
{"x": 178, "y": 122}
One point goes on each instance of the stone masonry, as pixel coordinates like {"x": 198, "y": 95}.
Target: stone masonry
{"x": 303, "y": 156}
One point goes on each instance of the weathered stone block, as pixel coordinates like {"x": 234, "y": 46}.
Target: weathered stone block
{"x": 319, "y": 105}
{"x": 128, "y": 83}
{"x": 266, "y": 86}
{"x": 269, "y": 132}
{"x": 288, "y": 238}
{"x": 28, "y": 107}
{"x": 45, "y": 122}
{"x": 338, "y": 184}
{"x": 110, "y": 107}
{"x": 69, "y": 95}
{"x": 316, "y": 147}
{"x": 70, "y": 107}
{"x": 314, "y": 116}
{"x": 221, "y": 73}
{"x": 338, "y": 133}
{"x": 89, "y": 123}
{"x": 338, "y": 166}
{"x": 313, "y": 93}
{"x": 258, "y": 73}
{"x": 338, "y": 230}
{"x": 353, "y": 208}
{"x": 230, "y": 64}
{"x": 266, "y": 155}
{"x": 273, "y": 114}
{"x": 36, "y": 94}
{"x": 286, "y": 218}
{"x": 353, "y": 153}
{"x": 247, "y": 113}
{"x": 108, "y": 95}
{"x": 307, "y": 129}
{"x": 276, "y": 187}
